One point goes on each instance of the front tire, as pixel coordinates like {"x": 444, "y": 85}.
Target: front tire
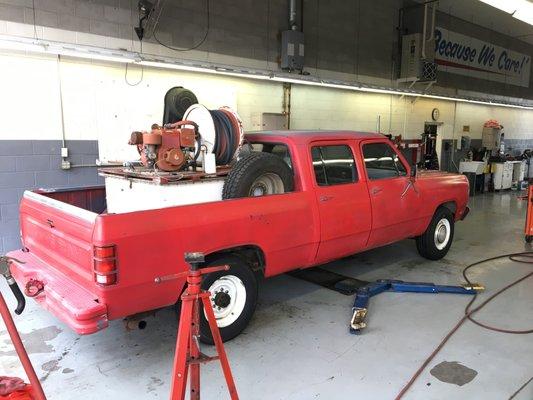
{"x": 435, "y": 242}
{"x": 233, "y": 297}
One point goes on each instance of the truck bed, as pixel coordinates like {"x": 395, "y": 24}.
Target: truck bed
{"x": 61, "y": 228}
{"x": 92, "y": 199}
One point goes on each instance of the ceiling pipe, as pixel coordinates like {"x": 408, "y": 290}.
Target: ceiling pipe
{"x": 424, "y": 32}
{"x": 292, "y": 15}
{"x": 432, "y": 36}
{"x": 432, "y": 28}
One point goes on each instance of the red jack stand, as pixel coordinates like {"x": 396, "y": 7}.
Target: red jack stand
{"x": 36, "y": 388}
{"x": 188, "y": 343}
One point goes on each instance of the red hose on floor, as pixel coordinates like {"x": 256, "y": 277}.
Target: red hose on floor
{"x": 525, "y": 258}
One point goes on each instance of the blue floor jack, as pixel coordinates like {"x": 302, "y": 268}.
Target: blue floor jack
{"x": 364, "y": 293}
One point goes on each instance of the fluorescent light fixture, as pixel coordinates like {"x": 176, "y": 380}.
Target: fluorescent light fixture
{"x": 508, "y": 6}
{"x": 482, "y": 102}
{"x": 525, "y": 13}
{"x": 206, "y": 70}
{"x": 243, "y": 74}
{"x": 44, "y": 47}
{"x": 326, "y": 84}
{"x": 283, "y": 79}
{"x": 22, "y": 46}
{"x": 180, "y": 67}
{"x": 93, "y": 56}
{"x": 519, "y": 9}
{"x": 388, "y": 91}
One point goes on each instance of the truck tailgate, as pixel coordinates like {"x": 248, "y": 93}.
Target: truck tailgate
{"x": 73, "y": 304}
{"x": 59, "y": 234}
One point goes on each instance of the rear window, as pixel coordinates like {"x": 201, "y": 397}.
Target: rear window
{"x": 333, "y": 165}
{"x": 278, "y": 149}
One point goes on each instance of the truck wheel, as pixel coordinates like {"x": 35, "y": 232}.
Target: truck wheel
{"x": 233, "y": 297}
{"x": 435, "y": 242}
{"x": 529, "y": 239}
{"x": 258, "y": 174}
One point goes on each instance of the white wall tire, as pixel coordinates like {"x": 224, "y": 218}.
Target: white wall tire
{"x": 435, "y": 242}
{"x": 441, "y": 236}
{"x": 228, "y": 298}
{"x": 233, "y": 298}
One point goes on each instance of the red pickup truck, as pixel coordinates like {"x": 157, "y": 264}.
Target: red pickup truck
{"x": 352, "y": 192}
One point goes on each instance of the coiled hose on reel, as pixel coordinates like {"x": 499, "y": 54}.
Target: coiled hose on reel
{"x": 227, "y": 136}
{"x": 220, "y": 129}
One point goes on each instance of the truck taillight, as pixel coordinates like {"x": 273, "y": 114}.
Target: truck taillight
{"x": 105, "y": 265}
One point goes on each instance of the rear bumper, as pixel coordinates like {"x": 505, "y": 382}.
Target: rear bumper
{"x": 67, "y": 300}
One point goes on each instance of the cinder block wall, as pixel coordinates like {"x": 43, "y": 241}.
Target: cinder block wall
{"x": 357, "y": 37}
{"x": 28, "y": 164}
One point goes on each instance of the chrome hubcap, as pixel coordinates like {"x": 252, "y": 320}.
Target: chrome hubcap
{"x": 442, "y": 233}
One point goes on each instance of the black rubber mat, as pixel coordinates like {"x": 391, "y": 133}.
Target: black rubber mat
{"x": 330, "y": 280}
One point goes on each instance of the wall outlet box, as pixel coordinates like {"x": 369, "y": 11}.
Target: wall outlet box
{"x": 64, "y": 152}
{"x": 65, "y": 164}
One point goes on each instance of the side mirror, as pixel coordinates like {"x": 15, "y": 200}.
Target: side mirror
{"x": 414, "y": 171}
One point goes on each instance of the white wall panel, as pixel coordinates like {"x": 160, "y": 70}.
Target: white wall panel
{"x": 99, "y": 104}
{"x": 29, "y": 105}
{"x": 102, "y": 105}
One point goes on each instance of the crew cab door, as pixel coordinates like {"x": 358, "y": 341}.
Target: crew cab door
{"x": 393, "y": 194}
{"x": 343, "y": 200}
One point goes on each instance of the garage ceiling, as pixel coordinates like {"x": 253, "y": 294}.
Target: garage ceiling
{"x": 482, "y": 14}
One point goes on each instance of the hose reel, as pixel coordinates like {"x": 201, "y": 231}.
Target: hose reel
{"x": 201, "y": 136}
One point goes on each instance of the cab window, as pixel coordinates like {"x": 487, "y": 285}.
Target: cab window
{"x": 333, "y": 165}
{"x": 382, "y": 162}
{"x": 278, "y": 149}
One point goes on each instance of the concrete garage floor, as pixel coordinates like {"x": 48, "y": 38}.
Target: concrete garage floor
{"x": 298, "y": 345}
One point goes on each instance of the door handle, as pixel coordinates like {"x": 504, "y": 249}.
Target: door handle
{"x": 376, "y": 190}
{"x": 325, "y": 198}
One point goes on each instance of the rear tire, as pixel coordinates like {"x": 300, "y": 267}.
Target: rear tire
{"x": 258, "y": 174}
{"x": 435, "y": 242}
{"x": 529, "y": 238}
{"x": 233, "y": 296}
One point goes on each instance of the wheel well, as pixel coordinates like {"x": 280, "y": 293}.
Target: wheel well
{"x": 450, "y": 205}
{"x": 251, "y": 254}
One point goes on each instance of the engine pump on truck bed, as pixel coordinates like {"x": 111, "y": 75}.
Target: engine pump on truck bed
{"x": 200, "y": 141}
{"x": 168, "y": 148}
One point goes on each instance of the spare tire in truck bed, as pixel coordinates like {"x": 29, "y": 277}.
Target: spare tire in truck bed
{"x": 258, "y": 174}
